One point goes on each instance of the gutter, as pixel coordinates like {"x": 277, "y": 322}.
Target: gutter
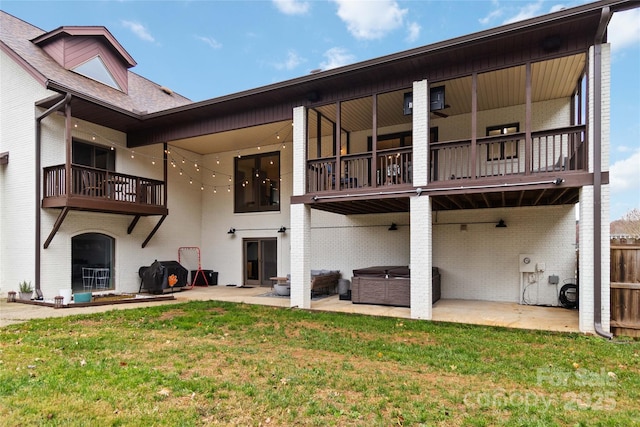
{"x": 597, "y": 169}
{"x": 63, "y": 102}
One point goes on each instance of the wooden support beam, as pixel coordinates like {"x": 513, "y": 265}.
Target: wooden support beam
{"x": 56, "y": 226}
{"x": 133, "y": 224}
{"x": 144, "y": 244}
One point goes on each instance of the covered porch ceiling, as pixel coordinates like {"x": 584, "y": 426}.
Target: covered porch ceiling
{"x": 496, "y": 89}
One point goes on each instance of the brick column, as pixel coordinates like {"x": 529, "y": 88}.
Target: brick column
{"x": 300, "y": 235}
{"x": 421, "y": 248}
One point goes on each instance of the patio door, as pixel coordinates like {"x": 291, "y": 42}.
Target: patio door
{"x": 260, "y": 261}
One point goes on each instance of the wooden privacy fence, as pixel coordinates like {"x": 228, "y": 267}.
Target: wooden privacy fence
{"x": 625, "y": 289}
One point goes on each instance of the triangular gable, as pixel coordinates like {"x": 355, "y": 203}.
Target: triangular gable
{"x": 90, "y": 51}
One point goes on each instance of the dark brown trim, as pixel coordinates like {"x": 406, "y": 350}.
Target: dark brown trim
{"x": 597, "y": 168}
{"x": 527, "y": 121}
{"x": 474, "y": 120}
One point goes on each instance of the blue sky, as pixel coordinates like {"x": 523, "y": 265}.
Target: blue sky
{"x": 205, "y": 49}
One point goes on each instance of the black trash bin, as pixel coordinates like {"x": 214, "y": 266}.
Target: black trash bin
{"x": 199, "y": 279}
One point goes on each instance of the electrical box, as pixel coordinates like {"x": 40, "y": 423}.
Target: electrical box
{"x": 526, "y": 264}
{"x": 554, "y": 280}
{"x": 541, "y": 267}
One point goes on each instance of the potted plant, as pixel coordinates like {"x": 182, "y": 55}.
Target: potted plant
{"x": 25, "y": 289}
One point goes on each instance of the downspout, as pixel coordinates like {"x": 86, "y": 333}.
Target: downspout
{"x": 597, "y": 173}
{"x": 62, "y": 103}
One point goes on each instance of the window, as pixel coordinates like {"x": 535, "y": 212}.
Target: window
{"x": 93, "y": 156}
{"x": 257, "y": 183}
{"x": 504, "y": 149}
{"x": 96, "y": 69}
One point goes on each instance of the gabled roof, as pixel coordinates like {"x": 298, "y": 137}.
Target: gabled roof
{"x": 97, "y": 31}
{"x": 144, "y": 96}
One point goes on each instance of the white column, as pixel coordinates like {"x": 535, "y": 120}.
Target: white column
{"x": 585, "y": 259}
{"x": 420, "y": 208}
{"x": 421, "y": 262}
{"x": 299, "y": 151}
{"x": 300, "y": 256}
{"x": 300, "y": 234}
{"x": 420, "y": 144}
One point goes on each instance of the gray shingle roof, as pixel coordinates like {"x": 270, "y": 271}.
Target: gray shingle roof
{"x": 144, "y": 95}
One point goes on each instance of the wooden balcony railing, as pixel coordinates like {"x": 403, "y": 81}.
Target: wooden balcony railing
{"x": 551, "y": 151}
{"x": 102, "y": 186}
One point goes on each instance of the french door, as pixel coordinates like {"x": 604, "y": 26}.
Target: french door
{"x": 260, "y": 261}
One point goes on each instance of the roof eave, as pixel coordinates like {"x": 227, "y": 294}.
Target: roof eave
{"x": 457, "y": 42}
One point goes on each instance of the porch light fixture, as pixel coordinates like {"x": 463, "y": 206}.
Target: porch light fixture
{"x": 282, "y": 229}
{"x": 231, "y": 231}
{"x": 394, "y": 227}
{"x": 501, "y": 224}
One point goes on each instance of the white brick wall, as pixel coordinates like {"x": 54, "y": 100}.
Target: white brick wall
{"x": 482, "y": 263}
{"x": 18, "y": 91}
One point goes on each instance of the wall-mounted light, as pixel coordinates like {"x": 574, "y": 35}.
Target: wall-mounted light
{"x": 231, "y": 231}
{"x": 501, "y": 224}
{"x": 282, "y": 229}
{"x": 394, "y": 227}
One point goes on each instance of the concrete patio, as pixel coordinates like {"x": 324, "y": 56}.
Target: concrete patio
{"x": 490, "y": 313}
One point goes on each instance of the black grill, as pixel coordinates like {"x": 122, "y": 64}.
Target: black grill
{"x": 154, "y": 278}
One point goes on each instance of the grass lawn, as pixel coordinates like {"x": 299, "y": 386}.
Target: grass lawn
{"x": 202, "y": 363}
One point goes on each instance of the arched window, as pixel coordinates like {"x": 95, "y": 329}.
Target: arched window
{"x": 92, "y": 256}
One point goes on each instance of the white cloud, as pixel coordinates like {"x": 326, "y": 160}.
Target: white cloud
{"x": 292, "y": 61}
{"x": 369, "y": 20}
{"x": 491, "y": 16}
{"x": 292, "y": 7}
{"x": 624, "y": 29}
{"x": 213, "y": 43}
{"x": 336, "y": 57}
{"x": 139, "y": 30}
{"x": 625, "y": 174}
{"x": 413, "y": 31}
{"x": 525, "y": 12}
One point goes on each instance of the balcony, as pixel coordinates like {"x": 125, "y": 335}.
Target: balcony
{"x": 498, "y": 171}
{"x": 99, "y": 190}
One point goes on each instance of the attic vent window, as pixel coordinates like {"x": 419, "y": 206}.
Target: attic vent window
{"x": 96, "y": 69}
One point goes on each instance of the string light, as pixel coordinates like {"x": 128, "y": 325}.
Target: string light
{"x": 184, "y": 159}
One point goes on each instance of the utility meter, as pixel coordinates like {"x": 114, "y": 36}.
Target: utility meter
{"x": 526, "y": 264}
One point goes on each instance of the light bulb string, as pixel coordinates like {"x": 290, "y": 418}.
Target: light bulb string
{"x": 179, "y": 159}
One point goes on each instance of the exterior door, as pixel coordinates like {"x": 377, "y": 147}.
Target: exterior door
{"x": 260, "y": 261}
